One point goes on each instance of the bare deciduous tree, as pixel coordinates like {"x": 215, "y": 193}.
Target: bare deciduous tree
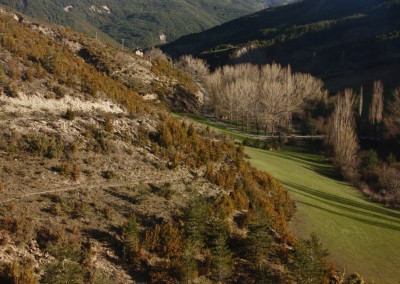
{"x": 198, "y": 69}
{"x": 392, "y": 121}
{"x": 342, "y": 136}
{"x": 361, "y": 101}
{"x": 376, "y": 107}
{"x": 266, "y": 97}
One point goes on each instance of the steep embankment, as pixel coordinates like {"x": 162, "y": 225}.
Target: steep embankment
{"x": 346, "y": 43}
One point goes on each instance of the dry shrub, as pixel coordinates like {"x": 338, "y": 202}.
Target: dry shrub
{"x": 4, "y": 238}
{"x": 18, "y": 273}
{"x": 69, "y": 169}
{"x": 18, "y": 226}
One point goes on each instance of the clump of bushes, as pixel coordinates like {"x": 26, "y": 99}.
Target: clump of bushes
{"x": 164, "y": 190}
{"x": 59, "y": 92}
{"x": 380, "y": 180}
{"x": 48, "y": 145}
{"x": 72, "y": 255}
{"x": 69, "y": 169}
{"x": 69, "y": 114}
{"x": 16, "y": 272}
{"x": 108, "y": 174}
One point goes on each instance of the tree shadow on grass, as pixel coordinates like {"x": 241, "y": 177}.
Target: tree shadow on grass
{"x": 337, "y": 201}
{"x": 317, "y": 163}
{"x": 349, "y": 209}
{"x": 369, "y": 222}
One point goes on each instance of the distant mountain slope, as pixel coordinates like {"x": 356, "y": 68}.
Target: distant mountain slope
{"x": 346, "y": 42}
{"x": 140, "y": 23}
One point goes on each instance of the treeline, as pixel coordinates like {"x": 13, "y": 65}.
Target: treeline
{"x": 266, "y": 97}
{"x": 373, "y": 169}
{"x": 272, "y": 98}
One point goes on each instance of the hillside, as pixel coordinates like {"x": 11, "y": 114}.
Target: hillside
{"x": 346, "y": 43}
{"x": 98, "y": 185}
{"x": 139, "y": 23}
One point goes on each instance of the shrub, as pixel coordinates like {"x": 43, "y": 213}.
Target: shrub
{"x": 390, "y": 180}
{"x": 63, "y": 272}
{"x": 308, "y": 261}
{"x": 48, "y": 146}
{"x": 354, "y": 278}
{"x": 11, "y": 91}
{"x": 130, "y": 235}
{"x": 108, "y": 123}
{"x": 69, "y": 114}
{"x": 108, "y": 174}
{"x": 165, "y": 190}
{"x": 391, "y": 159}
{"x": 18, "y": 273}
{"x": 59, "y": 91}
{"x": 68, "y": 169}
{"x": 369, "y": 162}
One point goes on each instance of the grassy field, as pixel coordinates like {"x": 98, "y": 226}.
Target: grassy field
{"x": 361, "y": 236}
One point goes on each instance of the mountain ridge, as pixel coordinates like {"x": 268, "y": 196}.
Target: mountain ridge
{"x": 139, "y": 23}
{"x": 330, "y": 39}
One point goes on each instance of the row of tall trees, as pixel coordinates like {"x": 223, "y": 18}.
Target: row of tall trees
{"x": 345, "y": 129}
{"x": 266, "y": 97}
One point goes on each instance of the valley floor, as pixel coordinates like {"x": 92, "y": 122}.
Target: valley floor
{"x": 360, "y": 235}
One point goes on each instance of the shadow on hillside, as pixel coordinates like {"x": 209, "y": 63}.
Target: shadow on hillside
{"x": 122, "y": 196}
{"x": 109, "y": 239}
{"x": 356, "y": 207}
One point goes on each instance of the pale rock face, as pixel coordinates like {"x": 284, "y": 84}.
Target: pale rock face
{"x": 100, "y": 10}
{"x": 106, "y": 9}
{"x": 68, "y": 8}
{"x": 163, "y": 38}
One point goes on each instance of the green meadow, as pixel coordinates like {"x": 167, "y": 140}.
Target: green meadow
{"x": 360, "y": 235}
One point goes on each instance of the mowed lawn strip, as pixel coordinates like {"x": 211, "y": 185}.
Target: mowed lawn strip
{"x": 360, "y": 235}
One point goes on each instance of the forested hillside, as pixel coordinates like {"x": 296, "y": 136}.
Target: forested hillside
{"x": 98, "y": 185}
{"x": 139, "y": 23}
{"x": 346, "y": 43}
